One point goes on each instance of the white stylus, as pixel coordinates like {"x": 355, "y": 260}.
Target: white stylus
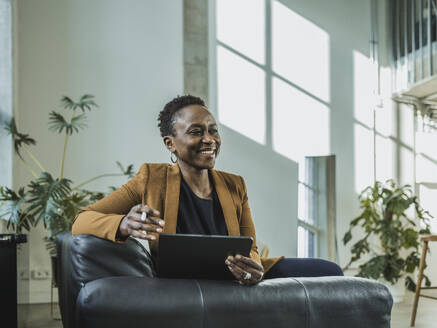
{"x": 143, "y": 216}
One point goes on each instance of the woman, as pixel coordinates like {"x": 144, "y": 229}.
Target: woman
{"x": 189, "y": 197}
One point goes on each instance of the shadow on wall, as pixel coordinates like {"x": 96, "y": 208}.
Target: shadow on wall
{"x": 290, "y": 85}
{"x": 297, "y": 80}
{"x": 271, "y": 185}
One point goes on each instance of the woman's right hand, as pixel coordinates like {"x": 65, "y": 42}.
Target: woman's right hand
{"x": 132, "y": 225}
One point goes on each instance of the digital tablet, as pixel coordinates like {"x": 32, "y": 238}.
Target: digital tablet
{"x": 199, "y": 256}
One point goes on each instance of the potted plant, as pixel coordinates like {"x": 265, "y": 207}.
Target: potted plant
{"x": 49, "y": 198}
{"x": 391, "y": 237}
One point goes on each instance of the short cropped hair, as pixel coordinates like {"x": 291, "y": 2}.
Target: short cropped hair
{"x": 166, "y": 116}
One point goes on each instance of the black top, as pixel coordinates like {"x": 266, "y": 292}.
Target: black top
{"x": 198, "y": 215}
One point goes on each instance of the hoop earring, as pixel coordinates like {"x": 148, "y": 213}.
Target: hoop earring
{"x": 171, "y": 158}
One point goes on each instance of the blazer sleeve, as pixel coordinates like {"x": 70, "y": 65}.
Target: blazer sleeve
{"x": 103, "y": 218}
{"x": 247, "y": 228}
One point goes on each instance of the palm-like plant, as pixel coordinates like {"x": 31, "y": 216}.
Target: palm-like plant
{"x": 48, "y": 199}
{"x": 396, "y": 252}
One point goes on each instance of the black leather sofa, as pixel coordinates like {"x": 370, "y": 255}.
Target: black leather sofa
{"x": 104, "y": 284}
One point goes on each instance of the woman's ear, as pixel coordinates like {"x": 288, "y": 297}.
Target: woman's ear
{"x": 168, "y": 142}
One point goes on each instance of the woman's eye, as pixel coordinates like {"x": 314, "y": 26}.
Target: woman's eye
{"x": 196, "y": 132}
{"x": 213, "y": 131}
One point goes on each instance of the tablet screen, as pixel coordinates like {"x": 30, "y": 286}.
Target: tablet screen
{"x": 199, "y": 256}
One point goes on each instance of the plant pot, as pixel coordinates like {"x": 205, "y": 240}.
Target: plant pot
{"x": 397, "y": 290}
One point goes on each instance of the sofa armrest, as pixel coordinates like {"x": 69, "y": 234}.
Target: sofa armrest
{"x": 85, "y": 258}
{"x": 139, "y": 302}
{"x": 284, "y": 302}
{"x": 347, "y": 302}
{"x": 94, "y": 258}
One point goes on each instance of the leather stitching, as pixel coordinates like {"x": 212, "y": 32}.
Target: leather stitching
{"x": 202, "y": 303}
{"x": 307, "y": 317}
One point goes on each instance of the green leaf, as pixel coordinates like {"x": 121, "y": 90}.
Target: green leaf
{"x": 374, "y": 268}
{"x": 67, "y": 102}
{"x": 410, "y": 284}
{"x": 86, "y": 102}
{"x": 347, "y": 237}
{"x": 129, "y": 172}
{"x": 427, "y": 281}
{"x": 410, "y": 238}
{"x": 412, "y": 262}
{"x": 359, "y": 248}
{"x": 20, "y": 139}
{"x": 46, "y": 195}
{"x": 14, "y": 210}
{"x": 384, "y": 218}
{"x": 92, "y": 196}
{"x": 58, "y": 123}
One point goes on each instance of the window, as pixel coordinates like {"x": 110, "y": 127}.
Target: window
{"x": 5, "y": 90}
{"x": 316, "y": 218}
{"x": 265, "y": 68}
{"x": 307, "y": 212}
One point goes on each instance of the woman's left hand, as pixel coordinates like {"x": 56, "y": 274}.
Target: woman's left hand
{"x": 245, "y": 269}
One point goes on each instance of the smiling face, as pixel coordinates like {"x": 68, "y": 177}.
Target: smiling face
{"x": 196, "y": 140}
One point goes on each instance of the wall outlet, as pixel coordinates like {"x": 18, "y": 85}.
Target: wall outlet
{"x": 24, "y": 275}
{"x": 40, "y": 274}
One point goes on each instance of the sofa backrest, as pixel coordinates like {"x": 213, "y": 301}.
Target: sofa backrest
{"x": 85, "y": 258}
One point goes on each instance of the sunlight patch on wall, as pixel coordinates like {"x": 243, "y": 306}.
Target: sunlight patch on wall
{"x": 406, "y": 125}
{"x": 300, "y": 123}
{"x": 385, "y": 149}
{"x": 364, "y": 81}
{"x": 385, "y": 75}
{"x": 300, "y": 51}
{"x": 426, "y": 148}
{"x": 385, "y": 120}
{"x": 426, "y": 169}
{"x": 363, "y": 155}
{"x": 241, "y": 95}
{"x": 240, "y": 24}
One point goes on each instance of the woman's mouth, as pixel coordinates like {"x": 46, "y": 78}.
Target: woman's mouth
{"x": 207, "y": 152}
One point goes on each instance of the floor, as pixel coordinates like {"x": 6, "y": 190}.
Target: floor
{"x": 426, "y": 313}
{"x": 39, "y": 316}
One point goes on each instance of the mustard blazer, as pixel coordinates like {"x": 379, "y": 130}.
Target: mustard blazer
{"x": 158, "y": 186}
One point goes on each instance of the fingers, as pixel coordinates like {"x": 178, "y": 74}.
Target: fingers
{"x": 141, "y": 234}
{"x": 249, "y": 262}
{"x": 144, "y": 213}
{"x": 144, "y": 222}
{"x": 239, "y": 269}
{"x": 235, "y": 270}
{"x": 146, "y": 209}
{"x": 150, "y": 220}
{"x": 135, "y": 225}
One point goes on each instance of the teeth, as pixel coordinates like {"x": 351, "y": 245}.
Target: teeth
{"x": 207, "y": 152}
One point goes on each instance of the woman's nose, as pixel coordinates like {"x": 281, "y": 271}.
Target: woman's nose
{"x": 207, "y": 138}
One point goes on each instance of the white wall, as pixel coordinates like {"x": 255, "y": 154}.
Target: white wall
{"x": 346, "y": 25}
{"x": 271, "y": 187}
{"x": 129, "y": 55}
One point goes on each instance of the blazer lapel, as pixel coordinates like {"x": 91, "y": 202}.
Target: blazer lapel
{"x": 227, "y": 204}
{"x": 172, "y": 199}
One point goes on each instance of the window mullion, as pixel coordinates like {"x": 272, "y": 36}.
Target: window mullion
{"x": 268, "y": 71}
